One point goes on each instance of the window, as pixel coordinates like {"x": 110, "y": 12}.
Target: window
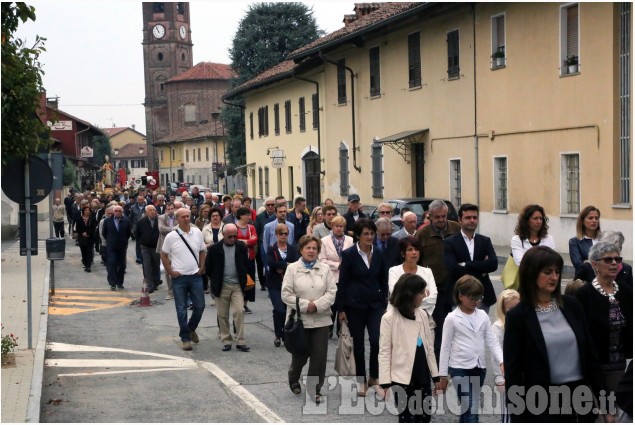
{"x": 498, "y": 41}
{"x": 414, "y": 60}
{"x": 276, "y": 119}
{"x": 251, "y": 125}
{"x": 173, "y": 155}
{"x": 199, "y": 154}
{"x": 193, "y": 155}
{"x": 187, "y": 155}
{"x": 206, "y": 154}
{"x": 301, "y": 113}
{"x": 189, "y": 112}
{"x": 287, "y": 116}
{"x": 279, "y": 173}
{"x": 344, "y": 173}
{"x": 375, "y": 82}
{"x": 569, "y": 39}
{"x": 263, "y": 121}
{"x": 158, "y": 7}
{"x": 570, "y": 187}
{"x": 180, "y": 8}
{"x": 266, "y": 181}
{"x": 316, "y": 111}
{"x": 291, "y": 188}
{"x": 377, "y": 157}
{"x": 500, "y": 184}
{"x": 455, "y": 181}
{"x": 625, "y": 103}
{"x": 341, "y": 82}
{"x": 260, "y": 182}
{"x": 453, "y": 54}
{"x": 161, "y": 155}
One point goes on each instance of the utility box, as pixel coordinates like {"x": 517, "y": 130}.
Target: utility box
{"x": 55, "y": 248}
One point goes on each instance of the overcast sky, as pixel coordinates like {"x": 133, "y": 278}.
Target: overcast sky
{"x": 94, "y": 58}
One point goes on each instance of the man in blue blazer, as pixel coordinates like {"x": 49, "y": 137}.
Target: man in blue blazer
{"x": 116, "y": 231}
{"x": 386, "y": 244}
{"x": 470, "y": 253}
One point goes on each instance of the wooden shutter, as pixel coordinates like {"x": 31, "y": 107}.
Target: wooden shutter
{"x": 316, "y": 111}
{"x": 301, "y": 113}
{"x": 572, "y": 30}
{"x": 276, "y": 119}
{"x": 453, "y": 54}
{"x": 375, "y": 83}
{"x": 414, "y": 60}
{"x": 341, "y": 81}
{"x": 498, "y": 33}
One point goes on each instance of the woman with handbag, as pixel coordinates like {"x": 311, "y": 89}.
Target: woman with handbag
{"x": 279, "y": 256}
{"x": 309, "y": 285}
{"x": 85, "y": 229}
{"x": 406, "y": 348}
{"x": 247, "y": 234}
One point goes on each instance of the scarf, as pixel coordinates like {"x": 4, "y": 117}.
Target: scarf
{"x": 309, "y": 265}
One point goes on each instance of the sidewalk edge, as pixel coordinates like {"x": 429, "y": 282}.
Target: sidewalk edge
{"x": 35, "y": 393}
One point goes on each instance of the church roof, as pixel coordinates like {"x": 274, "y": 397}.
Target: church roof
{"x": 205, "y": 71}
{"x": 205, "y": 130}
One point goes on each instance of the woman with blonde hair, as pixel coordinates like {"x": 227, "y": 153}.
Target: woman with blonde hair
{"x": 587, "y": 234}
{"x": 316, "y": 218}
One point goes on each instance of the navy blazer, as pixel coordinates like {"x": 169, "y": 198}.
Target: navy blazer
{"x": 215, "y": 265}
{"x": 579, "y": 251}
{"x": 392, "y": 255}
{"x": 360, "y": 286}
{"x": 455, "y": 251}
{"x": 117, "y": 239}
{"x": 275, "y": 262}
{"x": 526, "y": 359}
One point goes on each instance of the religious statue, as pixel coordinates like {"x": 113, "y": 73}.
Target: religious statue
{"x": 107, "y": 172}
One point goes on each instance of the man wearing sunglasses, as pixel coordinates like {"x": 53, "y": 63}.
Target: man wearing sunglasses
{"x": 269, "y": 232}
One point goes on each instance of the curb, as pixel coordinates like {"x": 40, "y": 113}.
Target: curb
{"x": 35, "y": 393}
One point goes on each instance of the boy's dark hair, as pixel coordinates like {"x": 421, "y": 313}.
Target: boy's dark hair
{"x": 467, "y": 207}
{"x": 468, "y": 286}
{"x": 403, "y": 294}
{"x": 243, "y": 211}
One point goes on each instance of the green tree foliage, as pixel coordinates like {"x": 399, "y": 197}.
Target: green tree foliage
{"x": 22, "y": 132}
{"x": 69, "y": 177}
{"x": 265, "y": 36}
{"x": 102, "y": 147}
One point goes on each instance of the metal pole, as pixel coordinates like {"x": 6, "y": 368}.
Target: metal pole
{"x": 27, "y": 214}
{"x": 51, "y": 196}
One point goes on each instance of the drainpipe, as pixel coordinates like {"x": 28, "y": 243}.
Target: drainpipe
{"x": 317, "y": 93}
{"x": 477, "y": 179}
{"x": 355, "y": 166}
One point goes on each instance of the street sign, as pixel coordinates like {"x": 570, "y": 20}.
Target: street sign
{"x": 277, "y": 158}
{"x": 40, "y": 180}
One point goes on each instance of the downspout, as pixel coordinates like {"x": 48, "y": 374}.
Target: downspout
{"x": 477, "y": 179}
{"x": 317, "y": 93}
{"x": 355, "y": 166}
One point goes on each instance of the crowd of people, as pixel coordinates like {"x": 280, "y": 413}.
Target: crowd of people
{"x": 421, "y": 293}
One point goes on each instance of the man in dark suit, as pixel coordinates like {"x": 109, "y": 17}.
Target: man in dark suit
{"x": 470, "y": 253}
{"x": 386, "y": 244}
{"x": 261, "y": 220}
{"x": 147, "y": 233}
{"x": 116, "y": 231}
{"x": 353, "y": 214}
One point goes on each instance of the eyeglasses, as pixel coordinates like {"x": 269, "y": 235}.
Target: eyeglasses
{"x": 283, "y": 233}
{"x": 384, "y": 212}
{"x": 609, "y": 260}
{"x": 270, "y": 205}
{"x": 329, "y": 214}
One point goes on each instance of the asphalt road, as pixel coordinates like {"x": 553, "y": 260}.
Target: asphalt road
{"x": 110, "y": 361}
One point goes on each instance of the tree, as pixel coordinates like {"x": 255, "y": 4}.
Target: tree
{"x": 69, "y": 176}
{"x": 22, "y": 131}
{"x": 265, "y": 36}
{"x": 101, "y": 148}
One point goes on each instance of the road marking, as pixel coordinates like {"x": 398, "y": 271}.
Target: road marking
{"x": 74, "y": 301}
{"x": 161, "y": 362}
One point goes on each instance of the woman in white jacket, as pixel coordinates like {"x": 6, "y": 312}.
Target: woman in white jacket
{"x": 406, "y": 349}
{"x": 311, "y": 283}
{"x": 531, "y": 230}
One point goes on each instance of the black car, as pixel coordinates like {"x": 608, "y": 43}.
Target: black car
{"x": 418, "y": 206}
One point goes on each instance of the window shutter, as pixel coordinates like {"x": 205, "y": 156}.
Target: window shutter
{"x": 453, "y": 54}
{"x": 301, "y": 114}
{"x": 375, "y": 83}
{"x": 414, "y": 60}
{"x": 276, "y": 119}
{"x": 499, "y": 34}
{"x": 341, "y": 81}
{"x": 572, "y": 30}
{"x": 344, "y": 174}
{"x": 316, "y": 111}
{"x": 377, "y": 171}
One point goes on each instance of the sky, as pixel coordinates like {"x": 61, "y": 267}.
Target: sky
{"x": 94, "y": 58}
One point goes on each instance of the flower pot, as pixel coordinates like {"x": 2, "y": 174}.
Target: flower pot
{"x": 499, "y": 61}
{"x": 573, "y": 69}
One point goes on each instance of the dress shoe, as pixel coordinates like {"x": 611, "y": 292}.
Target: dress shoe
{"x": 277, "y": 342}
{"x": 113, "y": 288}
{"x": 139, "y": 261}
{"x": 87, "y": 270}
{"x": 194, "y": 337}
{"x": 227, "y": 347}
{"x": 187, "y": 345}
{"x": 120, "y": 288}
{"x": 243, "y": 348}
{"x": 248, "y": 310}
{"x": 262, "y": 288}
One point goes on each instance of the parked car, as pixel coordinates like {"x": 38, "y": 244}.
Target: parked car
{"x": 182, "y": 187}
{"x": 201, "y": 188}
{"x": 418, "y": 206}
{"x": 171, "y": 189}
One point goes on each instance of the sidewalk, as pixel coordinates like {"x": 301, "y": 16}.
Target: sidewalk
{"x": 22, "y": 382}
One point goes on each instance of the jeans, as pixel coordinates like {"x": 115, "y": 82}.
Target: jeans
{"x": 279, "y": 312}
{"x": 183, "y": 287}
{"x": 468, "y": 383}
{"x": 358, "y": 321}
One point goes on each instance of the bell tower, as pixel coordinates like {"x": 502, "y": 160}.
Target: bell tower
{"x": 167, "y": 51}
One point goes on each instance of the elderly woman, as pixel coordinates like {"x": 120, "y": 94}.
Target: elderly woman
{"x": 386, "y": 210}
{"x": 310, "y": 284}
{"x": 362, "y": 298}
{"x": 609, "y": 312}
{"x": 331, "y": 252}
{"x": 547, "y": 344}
{"x": 586, "y": 272}
{"x": 85, "y": 228}
{"x": 410, "y": 250}
{"x": 531, "y": 230}
{"x": 279, "y": 256}
{"x": 587, "y": 234}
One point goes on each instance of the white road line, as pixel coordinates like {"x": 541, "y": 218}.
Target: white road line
{"x": 60, "y": 346}
{"x": 97, "y": 363}
{"x": 116, "y": 372}
{"x": 248, "y": 398}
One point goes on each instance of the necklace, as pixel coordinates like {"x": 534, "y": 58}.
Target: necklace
{"x": 601, "y": 290}
{"x": 552, "y": 306}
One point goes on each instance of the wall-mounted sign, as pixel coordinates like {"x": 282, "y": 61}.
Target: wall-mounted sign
{"x": 86, "y": 152}
{"x": 60, "y": 125}
{"x": 277, "y": 158}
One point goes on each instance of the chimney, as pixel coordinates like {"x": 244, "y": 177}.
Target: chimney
{"x": 349, "y": 19}
{"x": 52, "y": 102}
{"x": 363, "y": 9}
{"x": 133, "y": 127}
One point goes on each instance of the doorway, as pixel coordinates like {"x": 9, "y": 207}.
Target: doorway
{"x": 312, "y": 179}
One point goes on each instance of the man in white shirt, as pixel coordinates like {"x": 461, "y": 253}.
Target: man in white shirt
{"x": 183, "y": 256}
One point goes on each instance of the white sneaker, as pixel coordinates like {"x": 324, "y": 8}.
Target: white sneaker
{"x": 213, "y": 303}
{"x": 169, "y": 297}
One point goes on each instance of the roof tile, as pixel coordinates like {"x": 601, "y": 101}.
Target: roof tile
{"x": 206, "y": 71}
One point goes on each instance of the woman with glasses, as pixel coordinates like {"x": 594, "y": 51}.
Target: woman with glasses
{"x": 531, "y": 230}
{"x": 586, "y": 272}
{"x": 362, "y": 297}
{"x": 279, "y": 256}
{"x": 587, "y": 234}
{"x": 609, "y": 312}
{"x": 323, "y": 229}
{"x": 547, "y": 347}
{"x": 316, "y": 218}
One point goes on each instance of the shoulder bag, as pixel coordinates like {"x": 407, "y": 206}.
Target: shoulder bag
{"x": 295, "y": 340}
{"x": 509, "y": 277}
{"x": 188, "y": 246}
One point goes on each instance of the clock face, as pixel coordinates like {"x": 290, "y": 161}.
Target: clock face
{"x": 158, "y": 31}
{"x": 182, "y": 32}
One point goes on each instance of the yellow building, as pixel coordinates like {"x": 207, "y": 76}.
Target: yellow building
{"x": 498, "y": 104}
{"x": 122, "y": 136}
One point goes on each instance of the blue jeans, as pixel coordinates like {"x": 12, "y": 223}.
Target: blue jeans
{"x": 468, "y": 383}
{"x": 279, "y": 311}
{"x": 182, "y": 287}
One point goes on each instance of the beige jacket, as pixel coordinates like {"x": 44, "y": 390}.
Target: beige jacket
{"x": 317, "y": 285}
{"x": 398, "y": 345}
{"x": 328, "y": 254}
{"x": 164, "y": 229}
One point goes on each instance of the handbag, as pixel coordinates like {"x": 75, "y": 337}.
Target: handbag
{"x": 250, "y": 283}
{"x": 509, "y": 277}
{"x": 344, "y": 358}
{"x": 295, "y": 340}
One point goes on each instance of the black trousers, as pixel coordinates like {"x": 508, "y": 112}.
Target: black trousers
{"x": 410, "y": 401}
{"x": 86, "y": 248}
{"x": 318, "y": 348}
{"x": 260, "y": 268}
{"x": 116, "y": 265}
{"x": 59, "y": 229}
